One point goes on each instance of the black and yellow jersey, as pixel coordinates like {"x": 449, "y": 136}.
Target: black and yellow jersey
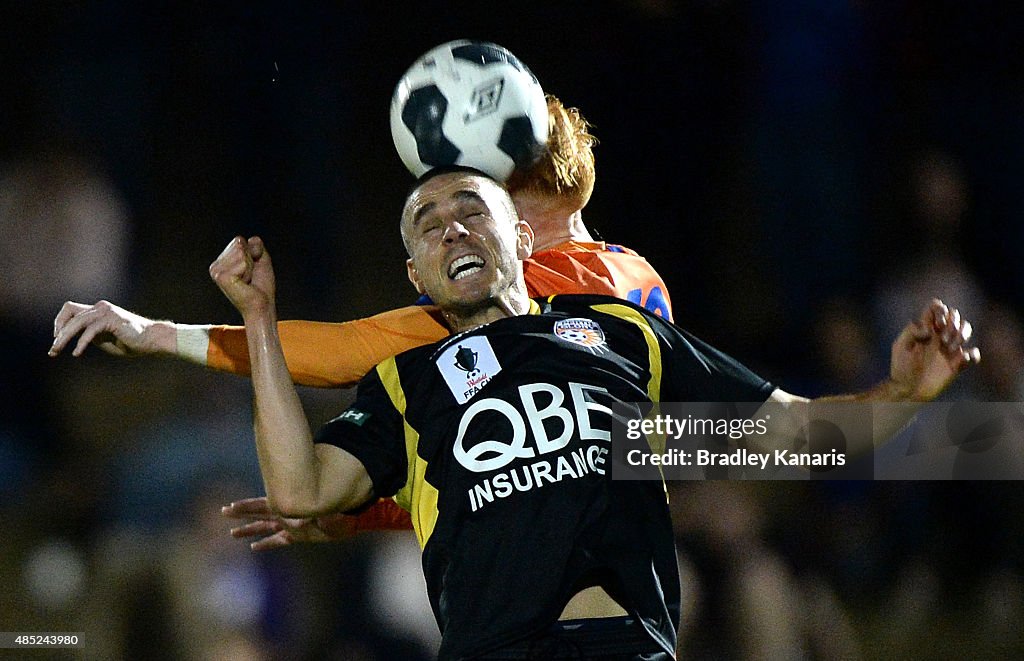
{"x": 497, "y": 440}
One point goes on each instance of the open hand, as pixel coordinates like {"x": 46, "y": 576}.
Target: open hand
{"x": 931, "y": 351}
{"x": 277, "y": 531}
{"x": 111, "y": 328}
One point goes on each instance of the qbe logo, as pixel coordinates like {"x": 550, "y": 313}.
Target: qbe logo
{"x": 548, "y": 420}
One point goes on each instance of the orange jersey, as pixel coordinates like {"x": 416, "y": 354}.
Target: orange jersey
{"x": 340, "y": 354}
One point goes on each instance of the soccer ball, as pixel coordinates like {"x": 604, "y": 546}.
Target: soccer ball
{"x": 469, "y": 103}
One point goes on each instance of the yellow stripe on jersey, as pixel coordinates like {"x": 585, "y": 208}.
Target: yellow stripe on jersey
{"x": 418, "y": 496}
{"x": 655, "y": 441}
{"x": 653, "y": 347}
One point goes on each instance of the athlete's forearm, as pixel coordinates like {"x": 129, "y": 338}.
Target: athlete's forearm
{"x": 300, "y": 481}
{"x": 284, "y": 443}
{"x": 896, "y": 409}
{"x": 789, "y": 418}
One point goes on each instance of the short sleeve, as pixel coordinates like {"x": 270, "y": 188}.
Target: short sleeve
{"x": 695, "y": 371}
{"x": 372, "y": 430}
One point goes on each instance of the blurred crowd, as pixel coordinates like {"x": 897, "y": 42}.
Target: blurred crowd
{"x": 804, "y": 175}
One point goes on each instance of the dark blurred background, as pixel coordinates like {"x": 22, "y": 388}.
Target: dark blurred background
{"x": 805, "y": 175}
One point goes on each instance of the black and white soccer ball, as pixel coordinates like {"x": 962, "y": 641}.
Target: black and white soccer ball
{"x": 469, "y": 103}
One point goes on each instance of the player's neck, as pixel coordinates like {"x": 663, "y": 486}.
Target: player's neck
{"x": 514, "y": 301}
{"x": 552, "y": 224}
{"x": 560, "y": 230}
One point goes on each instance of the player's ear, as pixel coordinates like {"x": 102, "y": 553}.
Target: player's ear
{"x": 414, "y": 277}
{"x": 524, "y": 239}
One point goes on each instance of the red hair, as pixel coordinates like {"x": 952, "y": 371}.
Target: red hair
{"x": 566, "y": 169}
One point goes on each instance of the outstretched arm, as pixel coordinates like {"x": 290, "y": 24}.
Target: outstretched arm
{"x": 327, "y": 355}
{"x": 301, "y": 479}
{"x": 926, "y": 357}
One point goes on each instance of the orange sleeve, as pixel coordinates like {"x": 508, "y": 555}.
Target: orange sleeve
{"x": 335, "y": 355}
{"x": 385, "y": 514}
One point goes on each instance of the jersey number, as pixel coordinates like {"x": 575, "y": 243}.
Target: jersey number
{"x": 655, "y": 302}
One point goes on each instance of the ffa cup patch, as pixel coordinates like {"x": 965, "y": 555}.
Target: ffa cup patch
{"x": 584, "y": 332}
{"x": 467, "y": 365}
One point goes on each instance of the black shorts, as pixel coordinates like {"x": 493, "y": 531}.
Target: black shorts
{"x": 601, "y": 639}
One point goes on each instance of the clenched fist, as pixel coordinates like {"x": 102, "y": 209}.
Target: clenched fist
{"x": 244, "y": 273}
